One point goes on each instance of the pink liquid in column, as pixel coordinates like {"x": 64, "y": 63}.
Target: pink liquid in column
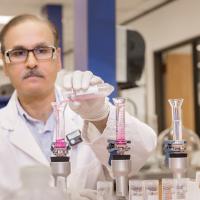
{"x": 120, "y": 138}
{"x": 60, "y": 143}
{"x": 120, "y": 121}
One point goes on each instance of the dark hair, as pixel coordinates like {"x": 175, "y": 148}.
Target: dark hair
{"x": 22, "y": 18}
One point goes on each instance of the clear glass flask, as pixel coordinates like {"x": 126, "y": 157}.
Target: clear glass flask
{"x": 193, "y": 145}
{"x": 180, "y": 137}
{"x": 35, "y": 185}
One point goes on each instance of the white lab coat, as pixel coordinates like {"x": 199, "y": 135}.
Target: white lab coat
{"x": 89, "y": 159}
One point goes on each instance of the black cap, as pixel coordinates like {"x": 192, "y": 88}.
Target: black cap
{"x": 120, "y": 157}
{"x": 60, "y": 159}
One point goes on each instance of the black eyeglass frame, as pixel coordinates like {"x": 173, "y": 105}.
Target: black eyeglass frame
{"x": 7, "y": 55}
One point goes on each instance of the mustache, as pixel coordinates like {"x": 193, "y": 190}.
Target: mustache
{"x": 31, "y": 73}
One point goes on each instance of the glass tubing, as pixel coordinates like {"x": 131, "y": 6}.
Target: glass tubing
{"x": 120, "y": 120}
{"x": 176, "y": 105}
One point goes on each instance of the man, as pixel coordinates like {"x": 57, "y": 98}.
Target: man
{"x": 31, "y": 58}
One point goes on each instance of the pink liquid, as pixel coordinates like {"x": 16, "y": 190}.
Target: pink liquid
{"x": 60, "y": 143}
{"x": 121, "y": 138}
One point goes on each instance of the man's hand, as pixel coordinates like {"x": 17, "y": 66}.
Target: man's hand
{"x": 94, "y": 110}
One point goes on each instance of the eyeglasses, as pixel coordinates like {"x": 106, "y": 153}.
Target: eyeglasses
{"x": 21, "y": 55}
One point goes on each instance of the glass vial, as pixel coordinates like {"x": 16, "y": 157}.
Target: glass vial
{"x": 136, "y": 190}
{"x": 151, "y": 189}
{"x": 104, "y": 190}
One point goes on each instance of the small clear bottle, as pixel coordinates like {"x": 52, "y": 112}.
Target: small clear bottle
{"x": 151, "y": 189}
{"x": 180, "y": 188}
{"x": 104, "y": 190}
{"x": 174, "y": 189}
{"x": 167, "y": 189}
{"x": 35, "y": 185}
{"x": 136, "y": 190}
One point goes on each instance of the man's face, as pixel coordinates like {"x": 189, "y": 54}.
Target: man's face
{"x": 30, "y": 35}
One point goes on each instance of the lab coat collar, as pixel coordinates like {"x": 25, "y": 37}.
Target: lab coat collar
{"x": 20, "y": 135}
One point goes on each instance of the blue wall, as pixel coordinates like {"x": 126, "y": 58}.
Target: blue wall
{"x": 54, "y": 14}
{"x": 102, "y": 39}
